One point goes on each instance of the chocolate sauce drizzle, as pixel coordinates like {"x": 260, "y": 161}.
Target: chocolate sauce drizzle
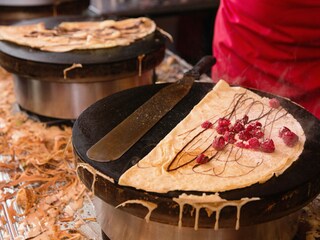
{"x": 241, "y": 105}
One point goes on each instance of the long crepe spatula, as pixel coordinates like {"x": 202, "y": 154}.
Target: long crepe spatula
{"x": 121, "y": 138}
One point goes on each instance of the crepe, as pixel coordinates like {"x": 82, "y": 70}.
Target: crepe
{"x": 188, "y": 158}
{"x": 69, "y": 36}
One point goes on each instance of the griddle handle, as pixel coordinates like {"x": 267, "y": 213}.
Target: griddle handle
{"x": 201, "y": 67}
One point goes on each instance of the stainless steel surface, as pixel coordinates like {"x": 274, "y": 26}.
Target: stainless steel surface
{"x": 119, "y": 225}
{"x": 68, "y": 100}
{"x": 115, "y": 143}
{"x": 27, "y": 3}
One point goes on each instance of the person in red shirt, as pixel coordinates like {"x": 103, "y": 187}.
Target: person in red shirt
{"x": 270, "y": 45}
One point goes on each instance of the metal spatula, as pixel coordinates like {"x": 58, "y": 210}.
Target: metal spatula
{"x": 120, "y": 139}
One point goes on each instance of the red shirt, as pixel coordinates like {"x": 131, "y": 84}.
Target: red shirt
{"x": 270, "y": 45}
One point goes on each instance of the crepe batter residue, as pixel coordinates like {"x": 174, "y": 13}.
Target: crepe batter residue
{"x": 140, "y": 58}
{"x": 212, "y": 203}
{"x": 94, "y": 173}
{"x": 149, "y": 205}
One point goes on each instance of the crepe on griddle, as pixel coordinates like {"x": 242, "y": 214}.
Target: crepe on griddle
{"x": 69, "y": 36}
{"x": 173, "y": 164}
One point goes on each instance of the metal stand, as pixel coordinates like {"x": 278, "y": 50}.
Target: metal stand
{"x": 119, "y": 225}
{"x": 68, "y": 100}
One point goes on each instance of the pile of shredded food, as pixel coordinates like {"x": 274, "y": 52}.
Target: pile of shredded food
{"x": 39, "y": 188}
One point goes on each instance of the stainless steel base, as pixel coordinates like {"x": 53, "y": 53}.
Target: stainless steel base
{"x": 119, "y": 225}
{"x": 24, "y": 3}
{"x": 68, "y": 100}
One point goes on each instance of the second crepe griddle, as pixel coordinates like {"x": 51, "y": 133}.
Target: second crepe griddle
{"x": 120, "y": 61}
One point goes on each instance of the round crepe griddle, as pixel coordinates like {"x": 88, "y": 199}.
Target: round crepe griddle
{"x": 279, "y": 196}
{"x": 107, "y": 63}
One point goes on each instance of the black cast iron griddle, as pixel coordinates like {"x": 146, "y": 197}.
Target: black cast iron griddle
{"x": 108, "y": 63}
{"x": 280, "y": 196}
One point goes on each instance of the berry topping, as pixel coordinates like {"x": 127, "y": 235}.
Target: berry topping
{"x": 223, "y": 125}
{"x": 290, "y": 138}
{"x": 274, "y": 103}
{"x": 254, "y": 125}
{"x": 245, "y": 119}
{"x": 229, "y": 137}
{"x": 244, "y": 135}
{"x": 222, "y": 129}
{"x": 201, "y": 159}
{"x": 254, "y": 143}
{"x": 267, "y": 146}
{"x": 283, "y": 130}
{"x": 219, "y": 143}
{"x": 237, "y": 127}
{"x": 223, "y": 122}
{"x": 206, "y": 125}
{"x": 257, "y": 133}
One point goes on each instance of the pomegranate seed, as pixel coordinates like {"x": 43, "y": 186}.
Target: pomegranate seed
{"x": 253, "y": 126}
{"x": 237, "y": 127}
{"x": 223, "y": 122}
{"x": 245, "y": 119}
{"x": 254, "y": 143}
{"x": 244, "y": 135}
{"x": 267, "y": 146}
{"x": 258, "y": 124}
{"x": 257, "y": 133}
{"x": 219, "y": 143}
{"x": 283, "y": 130}
{"x": 274, "y": 103}
{"x": 290, "y": 138}
{"x": 222, "y": 129}
{"x": 201, "y": 159}
{"x": 229, "y": 137}
{"x": 206, "y": 125}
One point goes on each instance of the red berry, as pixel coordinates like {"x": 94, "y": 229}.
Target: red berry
{"x": 244, "y": 135}
{"x": 206, "y": 125}
{"x": 290, "y": 138}
{"x": 222, "y": 129}
{"x": 219, "y": 143}
{"x": 250, "y": 127}
{"x": 258, "y": 124}
{"x": 274, "y": 103}
{"x": 253, "y": 126}
{"x": 283, "y": 130}
{"x": 245, "y": 119}
{"x": 257, "y": 133}
{"x": 223, "y": 122}
{"x": 254, "y": 143}
{"x": 229, "y": 137}
{"x": 267, "y": 146}
{"x": 201, "y": 159}
{"x": 237, "y": 127}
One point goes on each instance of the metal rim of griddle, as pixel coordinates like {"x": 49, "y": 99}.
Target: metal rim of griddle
{"x": 106, "y": 64}
{"x": 67, "y": 100}
{"x": 280, "y": 196}
{"x": 29, "y": 3}
{"x": 120, "y": 225}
